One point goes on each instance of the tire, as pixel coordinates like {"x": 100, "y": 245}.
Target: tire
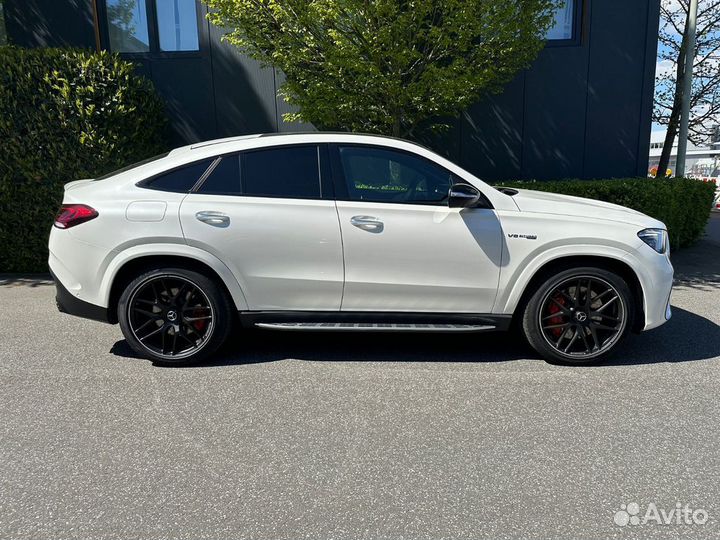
{"x": 174, "y": 316}
{"x": 567, "y": 328}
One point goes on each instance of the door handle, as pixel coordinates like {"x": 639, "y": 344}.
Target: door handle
{"x": 367, "y": 223}
{"x": 216, "y": 219}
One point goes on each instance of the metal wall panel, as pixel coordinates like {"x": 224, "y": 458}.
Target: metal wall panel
{"x": 581, "y": 111}
{"x": 50, "y": 23}
{"x": 615, "y": 88}
{"x": 554, "y": 118}
{"x": 492, "y": 133}
{"x": 244, "y": 90}
{"x": 186, "y": 85}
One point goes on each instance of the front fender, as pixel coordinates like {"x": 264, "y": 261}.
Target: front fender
{"x": 513, "y": 282}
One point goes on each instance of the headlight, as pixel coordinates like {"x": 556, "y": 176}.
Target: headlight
{"x": 655, "y": 238}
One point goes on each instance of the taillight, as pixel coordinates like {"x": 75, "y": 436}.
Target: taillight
{"x": 74, "y": 214}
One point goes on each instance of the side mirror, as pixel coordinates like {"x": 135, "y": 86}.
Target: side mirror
{"x": 463, "y": 196}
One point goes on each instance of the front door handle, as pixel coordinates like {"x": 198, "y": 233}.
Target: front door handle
{"x": 216, "y": 219}
{"x": 367, "y": 223}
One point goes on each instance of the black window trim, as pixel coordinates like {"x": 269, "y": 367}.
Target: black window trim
{"x": 340, "y": 182}
{"x": 153, "y": 34}
{"x": 204, "y": 176}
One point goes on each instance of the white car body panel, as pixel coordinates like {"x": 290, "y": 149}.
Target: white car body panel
{"x": 180, "y": 250}
{"x": 425, "y": 259}
{"x": 288, "y": 254}
{"x": 541, "y": 202}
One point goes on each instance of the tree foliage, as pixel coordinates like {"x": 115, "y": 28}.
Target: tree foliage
{"x": 64, "y": 115}
{"x": 386, "y": 66}
{"x": 705, "y": 97}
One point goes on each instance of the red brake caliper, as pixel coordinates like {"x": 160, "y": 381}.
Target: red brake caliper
{"x": 199, "y": 325}
{"x": 552, "y": 309}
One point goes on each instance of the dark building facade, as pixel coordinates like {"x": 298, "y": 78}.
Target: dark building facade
{"x": 583, "y": 110}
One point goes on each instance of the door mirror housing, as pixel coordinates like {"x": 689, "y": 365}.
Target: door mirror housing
{"x": 464, "y": 196}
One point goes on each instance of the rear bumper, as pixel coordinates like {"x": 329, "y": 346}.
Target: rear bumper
{"x": 72, "y": 305}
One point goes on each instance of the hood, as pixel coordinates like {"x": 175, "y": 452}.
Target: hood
{"x": 552, "y": 203}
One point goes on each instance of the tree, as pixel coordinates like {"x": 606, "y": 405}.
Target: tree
{"x": 705, "y": 96}
{"x": 394, "y": 67}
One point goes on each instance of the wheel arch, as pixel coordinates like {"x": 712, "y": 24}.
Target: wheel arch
{"x": 130, "y": 266}
{"x": 615, "y": 265}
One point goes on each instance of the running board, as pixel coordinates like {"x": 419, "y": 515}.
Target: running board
{"x": 382, "y": 321}
{"x": 374, "y": 327}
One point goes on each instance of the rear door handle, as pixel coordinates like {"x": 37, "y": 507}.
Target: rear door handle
{"x": 216, "y": 219}
{"x": 367, "y": 223}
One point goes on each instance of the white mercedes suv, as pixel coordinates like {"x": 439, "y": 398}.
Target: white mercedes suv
{"x": 345, "y": 232}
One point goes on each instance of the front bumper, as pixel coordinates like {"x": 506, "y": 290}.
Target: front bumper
{"x": 72, "y": 305}
{"x": 656, "y": 278}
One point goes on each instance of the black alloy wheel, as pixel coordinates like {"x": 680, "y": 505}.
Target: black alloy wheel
{"x": 578, "y": 316}
{"x": 171, "y": 316}
{"x": 174, "y": 316}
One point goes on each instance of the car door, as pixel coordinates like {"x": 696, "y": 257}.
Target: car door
{"x": 404, "y": 248}
{"x": 269, "y": 215}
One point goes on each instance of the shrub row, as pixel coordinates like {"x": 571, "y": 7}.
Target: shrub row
{"x": 64, "y": 115}
{"x": 683, "y": 204}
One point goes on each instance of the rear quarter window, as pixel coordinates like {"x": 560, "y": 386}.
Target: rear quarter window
{"x": 180, "y": 180}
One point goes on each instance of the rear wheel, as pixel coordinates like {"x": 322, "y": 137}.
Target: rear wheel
{"x": 174, "y": 316}
{"x": 578, "y": 316}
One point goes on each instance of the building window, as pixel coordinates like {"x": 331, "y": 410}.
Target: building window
{"x": 177, "y": 25}
{"x": 150, "y": 26}
{"x": 564, "y": 23}
{"x": 128, "y": 26}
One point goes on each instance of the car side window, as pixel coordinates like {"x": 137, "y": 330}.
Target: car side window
{"x": 285, "y": 172}
{"x": 383, "y": 175}
{"x": 291, "y": 172}
{"x": 179, "y": 180}
{"x": 224, "y": 178}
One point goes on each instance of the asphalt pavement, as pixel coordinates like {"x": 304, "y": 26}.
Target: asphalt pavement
{"x": 290, "y": 436}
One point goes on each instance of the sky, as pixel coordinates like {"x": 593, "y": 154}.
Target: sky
{"x": 662, "y": 67}
{"x": 667, "y": 66}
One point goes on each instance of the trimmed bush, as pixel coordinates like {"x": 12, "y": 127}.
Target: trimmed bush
{"x": 64, "y": 115}
{"x": 683, "y": 204}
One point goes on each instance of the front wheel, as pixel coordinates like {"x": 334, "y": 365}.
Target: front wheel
{"x": 174, "y": 316}
{"x": 578, "y": 316}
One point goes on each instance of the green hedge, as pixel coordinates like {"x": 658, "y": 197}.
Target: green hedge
{"x": 64, "y": 115}
{"x": 683, "y": 204}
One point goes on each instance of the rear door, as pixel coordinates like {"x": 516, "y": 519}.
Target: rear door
{"x": 269, "y": 215}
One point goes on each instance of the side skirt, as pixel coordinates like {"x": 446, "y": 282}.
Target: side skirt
{"x": 374, "y": 321}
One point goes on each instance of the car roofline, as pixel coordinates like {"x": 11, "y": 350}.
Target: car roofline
{"x": 292, "y": 135}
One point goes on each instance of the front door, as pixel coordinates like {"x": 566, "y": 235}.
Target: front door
{"x": 405, "y": 250}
